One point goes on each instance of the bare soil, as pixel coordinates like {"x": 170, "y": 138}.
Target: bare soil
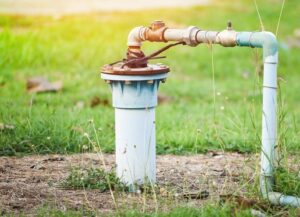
{"x": 27, "y": 183}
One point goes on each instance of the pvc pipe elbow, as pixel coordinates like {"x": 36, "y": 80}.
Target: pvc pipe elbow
{"x": 270, "y": 47}
{"x": 265, "y": 40}
{"x": 281, "y": 199}
{"x": 269, "y": 40}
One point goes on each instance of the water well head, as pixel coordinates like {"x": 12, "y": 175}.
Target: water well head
{"x": 134, "y": 84}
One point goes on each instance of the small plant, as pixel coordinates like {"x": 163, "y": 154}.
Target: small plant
{"x": 287, "y": 182}
{"x": 94, "y": 178}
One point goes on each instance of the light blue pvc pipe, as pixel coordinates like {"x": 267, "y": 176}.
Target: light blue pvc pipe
{"x": 268, "y": 42}
{"x": 265, "y": 40}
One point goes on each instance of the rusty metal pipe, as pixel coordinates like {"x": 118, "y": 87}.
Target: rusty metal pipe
{"x": 191, "y": 36}
{"x": 136, "y": 36}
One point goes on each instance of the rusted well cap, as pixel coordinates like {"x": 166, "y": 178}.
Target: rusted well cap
{"x": 120, "y": 69}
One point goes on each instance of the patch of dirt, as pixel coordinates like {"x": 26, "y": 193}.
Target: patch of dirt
{"x": 40, "y": 85}
{"x": 29, "y": 182}
{"x": 96, "y": 100}
{"x": 164, "y": 99}
{"x": 294, "y": 40}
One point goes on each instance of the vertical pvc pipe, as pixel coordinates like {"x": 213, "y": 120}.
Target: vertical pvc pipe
{"x": 268, "y": 42}
{"x": 269, "y": 125}
{"x": 135, "y": 145}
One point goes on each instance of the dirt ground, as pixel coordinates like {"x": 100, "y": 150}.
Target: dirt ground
{"x": 28, "y": 183}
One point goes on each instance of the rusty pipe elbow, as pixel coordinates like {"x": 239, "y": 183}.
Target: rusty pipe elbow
{"x": 153, "y": 33}
{"x": 136, "y": 36}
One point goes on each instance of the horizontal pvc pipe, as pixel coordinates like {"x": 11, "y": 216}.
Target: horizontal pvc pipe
{"x": 268, "y": 42}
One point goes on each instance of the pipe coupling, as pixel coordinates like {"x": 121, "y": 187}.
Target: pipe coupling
{"x": 190, "y": 36}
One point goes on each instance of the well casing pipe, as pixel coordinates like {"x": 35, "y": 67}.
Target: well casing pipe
{"x": 134, "y": 100}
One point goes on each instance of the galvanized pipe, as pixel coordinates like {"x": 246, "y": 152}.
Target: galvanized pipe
{"x": 228, "y": 38}
{"x": 192, "y": 35}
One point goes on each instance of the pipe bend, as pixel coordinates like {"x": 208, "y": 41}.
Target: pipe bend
{"x": 265, "y": 40}
{"x": 269, "y": 40}
{"x": 135, "y": 37}
{"x": 281, "y": 199}
{"x": 270, "y": 46}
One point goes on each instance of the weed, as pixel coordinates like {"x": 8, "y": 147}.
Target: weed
{"x": 93, "y": 178}
{"x": 287, "y": 182}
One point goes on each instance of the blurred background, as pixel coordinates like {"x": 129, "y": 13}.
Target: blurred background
{"x": 51, "y": 53}
{"x": 57, "y": 7}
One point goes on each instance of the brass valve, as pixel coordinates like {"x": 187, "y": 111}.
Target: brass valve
{"x": 156, "y": 31}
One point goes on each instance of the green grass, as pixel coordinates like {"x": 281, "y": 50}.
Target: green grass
{"x": 73, "y": 48}
{"x": 208, "y": 210}
{"x": 226, "y": 210}
{"x": 287, "y": 182}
